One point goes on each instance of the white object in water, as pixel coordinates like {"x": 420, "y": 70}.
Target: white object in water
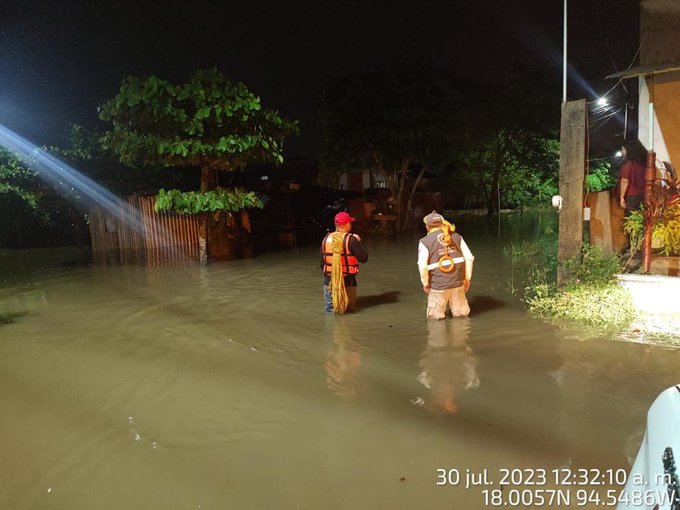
{"x": 653, "y": 479}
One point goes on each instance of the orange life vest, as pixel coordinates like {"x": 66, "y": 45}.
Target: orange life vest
{"x": 350, "y": 264}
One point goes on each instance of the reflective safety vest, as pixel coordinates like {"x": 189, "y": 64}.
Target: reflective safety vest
{"x": 442, "y": 280}
{"x": 350, "y": 264}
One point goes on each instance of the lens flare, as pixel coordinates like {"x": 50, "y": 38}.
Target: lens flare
{"x": 76, "y": 187}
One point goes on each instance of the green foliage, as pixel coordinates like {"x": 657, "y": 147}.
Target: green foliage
{"x": 18, "y": 179}
{"x": 505, "y": 155}
{"x": 590, "y": 295}
{"x": 84, "y": 152}
{"x": 593, "y": 305}
{"x": 536, "y": 261}
{"x": 206, "y": 122}
{"x": 665, "y": 231}
{"x": 599, "y": 178}
{"x": 216, "y": 200}
{"x": 541, "y": 252}
{"x": 31, "y": 212}
{"x": 668, "y": 232}
{"x": 594, "y": 267}
{"x": 634, "y": 227}
{"x": 391, "y": 119}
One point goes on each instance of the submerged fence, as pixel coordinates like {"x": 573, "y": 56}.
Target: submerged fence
{"x": 135, "y": 234}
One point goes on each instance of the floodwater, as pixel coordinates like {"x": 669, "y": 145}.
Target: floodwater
{"x": 227, "y": 387}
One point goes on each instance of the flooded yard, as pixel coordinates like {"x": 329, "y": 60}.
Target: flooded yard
{"x": 227, "y": 387}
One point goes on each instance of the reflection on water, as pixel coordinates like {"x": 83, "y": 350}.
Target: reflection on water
{"x": 226, "y": 386}
{"x": 343, "y": 363}
{"x": 448, "y": 364}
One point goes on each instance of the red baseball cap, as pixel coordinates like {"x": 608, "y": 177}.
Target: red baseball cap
{"x": 342, "y": 218}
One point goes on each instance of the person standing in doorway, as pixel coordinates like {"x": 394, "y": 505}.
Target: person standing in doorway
{"x": 341, "y": 253}
{"x": 445, "y": 266}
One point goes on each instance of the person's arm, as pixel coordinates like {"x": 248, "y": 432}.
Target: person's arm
{"x": 469, "y": 260}
{"x": 622, "y": 193}
{"x": 423, "y": 258}
{"x": 625, "y": 182}
{"x": 321, "y": 248}
{"x": 358, "y": 248}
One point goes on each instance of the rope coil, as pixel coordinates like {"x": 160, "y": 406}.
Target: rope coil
{"x": 338, "y": 290}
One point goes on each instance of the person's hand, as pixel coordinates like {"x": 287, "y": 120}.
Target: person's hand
{"x": 426, "y": 289}
{"x": 357, "y": 236}
{"x": 622, "y": 203}
{"x": 466, "y": 285}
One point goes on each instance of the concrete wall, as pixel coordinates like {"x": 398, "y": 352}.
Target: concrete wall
{"x": 659, "y": 36}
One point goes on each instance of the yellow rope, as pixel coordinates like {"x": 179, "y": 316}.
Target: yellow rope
{"x": 447, "y": 229}
{"x": 338, "y": 291}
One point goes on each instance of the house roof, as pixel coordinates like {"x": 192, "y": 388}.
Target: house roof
{"x": 647, "y": 70}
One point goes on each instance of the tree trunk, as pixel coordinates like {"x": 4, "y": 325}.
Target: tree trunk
{"x": 400, "y": 194}
{"x": 494, "y": 193}
{"x": 396, "y": 189}
{"x": 208, "y": 177}
{"x": 409, "y": 204}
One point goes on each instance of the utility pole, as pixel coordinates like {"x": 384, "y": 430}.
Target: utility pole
{"x": 572, "y": 169}
{"x": 572, "y": 176}
{"x": 564, "y": 57}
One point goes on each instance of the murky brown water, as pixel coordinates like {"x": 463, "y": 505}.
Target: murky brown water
{"x": 226, "y": 387}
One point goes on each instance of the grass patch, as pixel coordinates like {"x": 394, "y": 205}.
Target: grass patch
{"x": 590, "y": 295}
{"x": 606, "y": 305}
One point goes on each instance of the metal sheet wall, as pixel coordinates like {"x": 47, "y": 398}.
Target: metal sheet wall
{"x": 137, "y": 234}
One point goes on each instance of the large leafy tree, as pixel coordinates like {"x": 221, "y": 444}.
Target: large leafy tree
{"x": 84, "y": 152}
{"x": 509, "y": 156}
{"x": 207, "y": 122}
{"x": 394, "y": 119}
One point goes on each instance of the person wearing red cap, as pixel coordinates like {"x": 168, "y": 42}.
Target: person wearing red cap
{"x": 341, "y": 253}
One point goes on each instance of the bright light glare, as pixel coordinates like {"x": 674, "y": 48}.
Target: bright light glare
{"x": 619, "y": 154}
{"x": 76, "y": 187}
{"x": 602, "y": 101}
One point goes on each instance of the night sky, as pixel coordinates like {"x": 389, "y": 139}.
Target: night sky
{"x": 59, "y": 60}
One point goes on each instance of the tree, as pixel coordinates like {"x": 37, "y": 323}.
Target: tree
{"x": 84, "y": 151}
{"x": 510, "y": 157}
{"x": 32, "y": 212}
{"x": 207, "y": 122}
{"x": 392, "y": 119}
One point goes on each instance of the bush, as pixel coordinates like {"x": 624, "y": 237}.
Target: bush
{"x": 593, "y": 267}
{"x": 590, "y": 296}
{"x": 666, "y": 231}
{"x": 599, "y": 178}
{"x": 593, "y": 305}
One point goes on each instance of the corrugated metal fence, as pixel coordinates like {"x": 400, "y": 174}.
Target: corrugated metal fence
{"x": 137, "y": 234}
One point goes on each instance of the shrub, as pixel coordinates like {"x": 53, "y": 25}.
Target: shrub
{"x": 593, "y": 305}
{"x": 666, "y": 230}
{"x": 593, "y": 267}
{"x": 590, "y": 296}
{"x": 599, "y": 178}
